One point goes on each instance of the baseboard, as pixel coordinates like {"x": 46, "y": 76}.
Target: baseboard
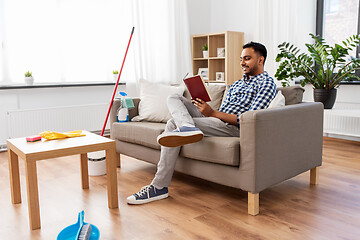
{"x": 350, "y": 138}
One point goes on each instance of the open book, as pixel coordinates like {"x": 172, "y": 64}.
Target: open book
{"x": 197, "y": 88}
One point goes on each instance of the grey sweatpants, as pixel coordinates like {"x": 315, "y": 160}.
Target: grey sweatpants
{"x": 183, "y": 112}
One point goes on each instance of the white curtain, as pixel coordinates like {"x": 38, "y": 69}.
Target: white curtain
{"x": 280, "y": 21}
{"x": 161, "y": 41}
{"x": 84, "y": 41}
{"x": 2, "y": 42}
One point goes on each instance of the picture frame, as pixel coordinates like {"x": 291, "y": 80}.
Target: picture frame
{"x": 204, "y": 73}
{"x": 220, "y": 52}
{"x": 219, "y": 76}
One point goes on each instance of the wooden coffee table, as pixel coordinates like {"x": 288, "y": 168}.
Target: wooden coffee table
{"x": 35, "y": 151}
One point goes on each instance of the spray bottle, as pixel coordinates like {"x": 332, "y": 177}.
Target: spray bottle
{"x": 122, "y": 112}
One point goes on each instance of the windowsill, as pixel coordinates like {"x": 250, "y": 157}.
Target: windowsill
{"x": 342, "y": 83}
{"x": 55, "y": 85}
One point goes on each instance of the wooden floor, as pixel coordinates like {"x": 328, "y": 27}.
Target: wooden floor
{"x": 195, "y": 209}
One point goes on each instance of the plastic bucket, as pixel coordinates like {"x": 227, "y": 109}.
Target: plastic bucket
{"x": 97, "y": 163}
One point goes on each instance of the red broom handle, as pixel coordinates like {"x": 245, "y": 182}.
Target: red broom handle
{"x": 117, "y": 83}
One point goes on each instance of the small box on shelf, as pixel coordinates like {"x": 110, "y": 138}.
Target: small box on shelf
{"x": 219, "y": 76}
{"x": 220, "y": 52}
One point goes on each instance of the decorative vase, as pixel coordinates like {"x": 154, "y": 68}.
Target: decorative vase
{"x": 29, "y": 80}
{"x": 205, "y": 54}
{"x": 326, "y": 96}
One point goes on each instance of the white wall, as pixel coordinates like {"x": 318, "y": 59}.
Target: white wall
{"x": 199, "y": 16}
{"x": 233, "y": 15}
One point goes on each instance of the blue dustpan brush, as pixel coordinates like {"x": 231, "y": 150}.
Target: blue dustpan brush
{"x": 84, "y": 231}
{"x": 79, "y": 230}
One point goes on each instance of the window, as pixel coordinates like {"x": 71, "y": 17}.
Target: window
{"x": 63, "y": 41}
{"x": 337, "y": 20}
{"x": 331, "y": 7}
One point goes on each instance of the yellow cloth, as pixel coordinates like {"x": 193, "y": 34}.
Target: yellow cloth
{"x": 50, "y": 135}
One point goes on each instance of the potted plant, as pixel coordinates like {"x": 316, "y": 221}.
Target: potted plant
{"x": 29, "y": 80}
{"x": 325, "y": 67}
{"x": 205, "y": 50}
{"x": 115, "y": 75}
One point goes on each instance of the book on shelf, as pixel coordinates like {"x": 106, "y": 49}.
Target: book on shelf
{"x": 197, "y": 88}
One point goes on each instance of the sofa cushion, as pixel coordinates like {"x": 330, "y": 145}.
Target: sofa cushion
{"x": 222, "y": 150}
{"x": 216, "y": 92}
{"x": 143, "y": 133}
{"x": 293, "y": 94}
{"x": 227, "y": 87}
{"x": 153, "y": 103}
{"x": 278, "y": 101}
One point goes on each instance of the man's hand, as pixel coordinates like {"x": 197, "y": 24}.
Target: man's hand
{"x": 203, "y": 107}
{"x": 207, "y": 111}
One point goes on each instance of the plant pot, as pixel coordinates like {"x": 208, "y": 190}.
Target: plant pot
{"x": 115, "y": 77}
{"x": 326, "y": 96}
{"x": 205, "y": 54}
{"x": 29, "y": 80}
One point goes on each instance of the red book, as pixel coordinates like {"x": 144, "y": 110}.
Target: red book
{"x": 197, "y": 88}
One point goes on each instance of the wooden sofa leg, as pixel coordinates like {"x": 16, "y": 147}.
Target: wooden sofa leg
{"x": 253, "y": 203}
{"x": 314, "y": 176}
{"x": 118, "y": 160}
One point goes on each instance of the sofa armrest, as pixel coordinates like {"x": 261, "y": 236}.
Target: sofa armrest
{"x": 132, "y": 112}
{"x": 280, "y": 143}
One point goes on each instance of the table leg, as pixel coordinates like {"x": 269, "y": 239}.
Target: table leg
{"x": 111, "y": 178}
{"x": 118, "y": 160}
{"x": 84, "y": 171}
{"x": 33, "y": 194}
{"x": 14, "y": 177}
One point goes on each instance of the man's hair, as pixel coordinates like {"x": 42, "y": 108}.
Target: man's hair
{"x": 258, "y": 47}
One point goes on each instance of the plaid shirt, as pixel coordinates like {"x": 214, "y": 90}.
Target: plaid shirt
{"x": 249, "y": 94}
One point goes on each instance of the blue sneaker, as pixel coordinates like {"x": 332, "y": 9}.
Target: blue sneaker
{"x": 147, "y": 194}
{"x": 181, "y": 136}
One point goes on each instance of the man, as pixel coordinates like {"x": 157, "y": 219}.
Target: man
{"x": 194, "y": 119}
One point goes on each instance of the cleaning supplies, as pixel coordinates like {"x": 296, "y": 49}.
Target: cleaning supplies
{"x": 123, "y": 110}
{"x": 80, "y": 230}
{"x": 84, "y": 231}
{"x": 51, "y": 135}
{"x": 117, "y": 83}
{"x": 33, "y": 138}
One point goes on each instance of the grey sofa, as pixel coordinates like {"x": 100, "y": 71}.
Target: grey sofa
{"x": 274, "y": 145}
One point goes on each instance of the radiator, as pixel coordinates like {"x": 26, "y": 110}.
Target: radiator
{"x": 342, "y": 122}
{"x": 61, "y": 119}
